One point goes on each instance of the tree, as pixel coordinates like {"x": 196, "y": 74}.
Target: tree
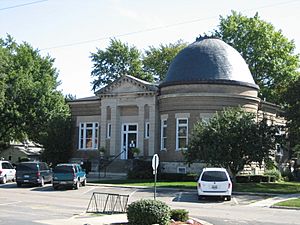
{"x": 292, "y": 98}
{"x": 231, "y": 139}
{"x": 157, "y": 60}
{"x": 56, "y": 139}
{"x": 117, "y": 60}
{"x": 269, "y": 55}
{"x": 29, "y": 96}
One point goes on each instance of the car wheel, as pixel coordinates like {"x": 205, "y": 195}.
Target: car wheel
{"x": 55, "y": 187}
{"x": 83, "y": 182}
{"x": 228, "y": 198}
{"x": 77, "y": 185}
{"x": 42, "y": 182}
{"x": 4, "y": 180}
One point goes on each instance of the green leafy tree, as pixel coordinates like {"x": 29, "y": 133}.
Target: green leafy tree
{"x": 56, "y": 139}
{"x": 292, "y": 98}
{"x": 231, "y": 139}
{"x": 29, "y": 99}
{"x": 269, "y": 55}
{"x": 156, "y": 61}
{"x": 117, "y": 60}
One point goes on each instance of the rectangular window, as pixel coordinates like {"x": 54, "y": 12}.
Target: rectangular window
{"x": 108, "y": 130}
{"x": 163, "y": 136}
{"x": 181, "y": 170}
{"x": 88, "y": 135}
{"x": 147, "y": 130}
{"x": 181, "y": 133}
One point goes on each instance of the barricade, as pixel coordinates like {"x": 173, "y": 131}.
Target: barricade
{"x": 107, "y": 203}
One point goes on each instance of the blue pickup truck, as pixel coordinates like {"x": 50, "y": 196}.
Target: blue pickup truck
{"x": 68, "y": 174}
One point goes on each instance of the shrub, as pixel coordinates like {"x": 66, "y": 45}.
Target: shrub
{"x": 242, "y": 179}
{"x": 141, "y": 170}
{"x": 179, "y": 215}
{"x": 273, "y": 173}
{"x": 148, "y": 212}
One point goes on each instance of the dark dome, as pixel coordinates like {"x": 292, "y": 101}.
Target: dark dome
{"x": 209, "y": 60}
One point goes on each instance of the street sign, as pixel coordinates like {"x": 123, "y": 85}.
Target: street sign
{"x": 155, "y": 162}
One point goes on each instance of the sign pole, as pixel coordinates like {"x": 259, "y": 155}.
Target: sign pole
{"x": 155, "y": 179}
{"x": 155, "y": 162}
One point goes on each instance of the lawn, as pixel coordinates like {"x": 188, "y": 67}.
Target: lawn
{"x": 290, "y": 203}
{"x": 150, "y": 183}
{"x": 273, "y": 188}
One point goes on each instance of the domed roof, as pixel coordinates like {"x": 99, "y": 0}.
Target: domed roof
{"x": 209, "y": 60}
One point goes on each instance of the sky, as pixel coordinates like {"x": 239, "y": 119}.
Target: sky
{"x": 70, "y": 30}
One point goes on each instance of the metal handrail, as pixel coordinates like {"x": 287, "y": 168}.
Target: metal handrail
{"x": 110, "y": 162}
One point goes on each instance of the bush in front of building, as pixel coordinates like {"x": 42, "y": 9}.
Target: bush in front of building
{"x": 274, "y": 173}
{"x": 179, "y": 215}
{"x": 255, "y": 178}
{"x": 141, "y": 169}
{"x": 148, "y": 212}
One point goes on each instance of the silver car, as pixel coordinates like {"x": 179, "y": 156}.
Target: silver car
{"x": 7, "y": 172}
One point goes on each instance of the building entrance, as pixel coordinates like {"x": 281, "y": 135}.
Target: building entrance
{"x": 129, "y": 139}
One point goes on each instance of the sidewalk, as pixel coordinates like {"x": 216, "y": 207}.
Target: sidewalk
{"x": 271, "y": 201}
{"x": 89, "y": 219}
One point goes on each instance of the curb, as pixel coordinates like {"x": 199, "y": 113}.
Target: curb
{"x": 284, "y": 207}
{"x": 253, "y": 193}
{"x": 141, "y": 187}
{"x": 203, "y": 222}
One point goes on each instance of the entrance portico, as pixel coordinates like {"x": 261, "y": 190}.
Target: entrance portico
{"x": 128, "y": 108}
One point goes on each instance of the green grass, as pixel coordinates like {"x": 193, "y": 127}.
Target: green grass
{"x": 272, "y": 188}
{"x": 290, "y": 203}
{"x": 150, "y": 183}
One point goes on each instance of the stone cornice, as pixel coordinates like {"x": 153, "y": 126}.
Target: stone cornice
{"x": 209, "y": 95}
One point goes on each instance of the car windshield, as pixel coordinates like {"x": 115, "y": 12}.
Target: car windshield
{"x": 63, "y": 169}
{"x": 214, "y": 176}
{"x": 27, "y": 167}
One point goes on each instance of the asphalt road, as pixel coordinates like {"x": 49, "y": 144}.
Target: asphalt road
{"x": 33, "y": 205}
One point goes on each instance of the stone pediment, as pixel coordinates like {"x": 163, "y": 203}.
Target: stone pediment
{"x": 127, "y": 85}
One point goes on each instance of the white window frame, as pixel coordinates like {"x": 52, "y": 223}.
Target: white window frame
{"x": 163, "y": 139}
{"x": 177, "y": 134}
{"x": 83, "y": 128}
{"x": 108, "y": 131}
{"x": 147, "y": 130}
{"x": 179, "y": 168}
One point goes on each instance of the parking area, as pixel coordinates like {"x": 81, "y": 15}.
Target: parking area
{"x": 28, "y": 204}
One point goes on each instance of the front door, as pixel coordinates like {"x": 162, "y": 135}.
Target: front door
{"x": 129, "y": 139}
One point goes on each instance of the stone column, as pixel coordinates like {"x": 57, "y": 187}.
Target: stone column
{"x": 152, "y": 122}
{"x": 103, "y": 125}
{"x": 115, "y": 131}
{"x": 141, "y": 127}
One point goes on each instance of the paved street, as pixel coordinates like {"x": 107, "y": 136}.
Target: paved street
{"x": 43, "y": 205}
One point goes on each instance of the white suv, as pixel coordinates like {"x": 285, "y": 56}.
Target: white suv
{"x": 7, "y": 172}
{"x": 214, "y": 182}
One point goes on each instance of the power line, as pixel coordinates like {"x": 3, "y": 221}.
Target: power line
{"x": 157, "y": 28}
{"x": 21, "y": 5}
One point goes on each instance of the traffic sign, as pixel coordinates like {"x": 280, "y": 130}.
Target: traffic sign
{"x": 155, "y": 162}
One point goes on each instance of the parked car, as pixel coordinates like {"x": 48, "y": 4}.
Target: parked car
{"x": 214, "y": 182}
{"x": 7, "y": 172}
{"x": 37, "y": 173}
{"x": 68, "y": 174}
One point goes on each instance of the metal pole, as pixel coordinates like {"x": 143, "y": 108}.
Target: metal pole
{"x": 155, "y": 178}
